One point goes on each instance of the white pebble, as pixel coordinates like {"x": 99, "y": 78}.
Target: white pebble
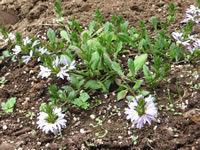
{"x": 82, "y": 131}
{"x": 109, "y": 121}
{"x": 5, "y": 127}
{"x": 120, "y": 137}
{"x": 92, "y": 116}
{"x": 129, "y": 132}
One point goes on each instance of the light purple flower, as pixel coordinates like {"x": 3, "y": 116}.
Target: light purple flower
{"x": 192, "y": 37}
{"x": 62, "y": 72}
{"x": 35, "y": 43}
{"x": 27, "y": 58}
{"x": 191, "y": 10}
{"x": 26, "y": 40}
{"x": 197, "y": 43}
{"x": 71, "y": 66}
{"x": 11, "y": 36}
{"x": 191, "y": 49}
{"x": 45, "y": 72}
{"x": 56, "y": 62}
{"x": 177, "y": 36}
{"x": 185, "y": 43}
{"x": 192, "y": 13}
{"x": 55, "y": 127}
{"x": 149, "y": 112}
{"x": 66, "y": 61}
{"x": 42, "y": 50}
{"x": 16, "y": 50}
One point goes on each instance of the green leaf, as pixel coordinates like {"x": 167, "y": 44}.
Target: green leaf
{"x": 95, "y": 45}
{"x": 9, "y": 105}
{"x": 62, "y": 95}
{"x": 107, "y": 60}
{"x": 4, "y": 32}
{"x": 107, "y": 84}
{"x": 120, "y": 20}
{"x": 95, "y": 61}
{"x": 92, "y": 25}
{"x": 74, "y": 81}
{"x": 58, "y": 8}
{"x": 97, "y": 16}
{"x": 3, "y": 80}
{"x": 137, "y": 85}
{"x": 65, "y": 35}
{"x": 154, "y": 22}
{"x": 84, "y": 96}
{"x": 75, "y": 24}
{"x": 53, "y": 90}
{"x": 121, "y": 94}
{"x": 130, "y": 98}
{"x": 93, "y": 84}
{"x": 131, "y": 66}
{"x": 85, "y": 36}
{"x": 119, "y": 48}
{"x": 116, "y": 67}
{"x": 18, "y": 38}
{"x": 67, "y": 88}
{"x": 72, "y": 95}
{"x": 139, "y": 62}
{"x": 124, "y": 38}
{"x": 82, "y": 100}
{"x": 144, "y": 93}
{"x": 51, "y": 35}
{"x": 6, "y": 53}
{"x": 43, "y": 107}
{"x": 118, "y": 81}
{"x": 146, "y": 72}
{"x": 172, "y": 7}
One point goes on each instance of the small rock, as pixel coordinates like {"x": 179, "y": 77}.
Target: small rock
{"x": 82, "y": 131}
{"x": 129, "y": 132}
{"x": 5, "y": 127}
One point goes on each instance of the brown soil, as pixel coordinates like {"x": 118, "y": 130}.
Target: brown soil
{"x": 171, "y": 131}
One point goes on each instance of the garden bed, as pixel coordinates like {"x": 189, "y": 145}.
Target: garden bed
{"x": 177, "y": 126}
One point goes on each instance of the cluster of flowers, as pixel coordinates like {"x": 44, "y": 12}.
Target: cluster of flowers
{"x": 57, "y": 65}
{"x": 45, "y": 72}
{"x": 192, "y": 42}
{"x": 192, "y": 13}
{"x": 43, "y": 123}
{"x": 141, "y": 110}
{"x": 11, "y": 37}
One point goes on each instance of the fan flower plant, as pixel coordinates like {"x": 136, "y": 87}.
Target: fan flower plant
{"x": 52, "y": 120}
{"x": 141, "y": 110}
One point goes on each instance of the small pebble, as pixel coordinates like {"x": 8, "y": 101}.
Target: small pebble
{"x": 5, "y": 127}
{"x": 47, "y": 145}
{"x": 92, "y": 116}
{"x": 82, "y": 131}
{"x": 129, "y": 132}
{"x": 120, "y": 137}
{"x": 109, "y": 121}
